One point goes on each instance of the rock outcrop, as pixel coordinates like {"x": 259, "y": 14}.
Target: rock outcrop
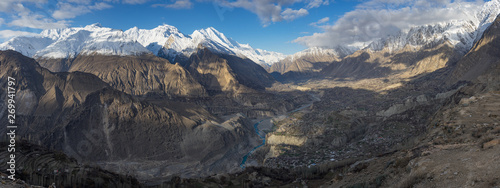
{"x": 225, "y": 73}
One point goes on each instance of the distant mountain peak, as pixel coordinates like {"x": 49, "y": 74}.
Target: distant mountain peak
{"x": 460, "y": 33}
{"x": 180, "y": 44}
{"x": 339, "y": 52}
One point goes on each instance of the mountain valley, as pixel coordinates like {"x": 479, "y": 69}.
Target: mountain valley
{"x": 103, "y": 107}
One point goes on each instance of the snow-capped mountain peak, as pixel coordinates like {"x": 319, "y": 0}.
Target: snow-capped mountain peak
{"x": 460, "y": 33}
{"x": 165, "y": 40}
{"x": 69, "y": 42}
{"x": 213, "y": 35}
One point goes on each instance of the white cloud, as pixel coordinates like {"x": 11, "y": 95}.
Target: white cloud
{"x": 85, "y": 2}
{"x": 364, "y": 25}
{"x": 10, "y": 5}
{"x": 320, "y": 21}
{"x": 6, "y": 34}
{"x": 179, "y": 4}
{"x": 23, "y": 17}
{"x": 67, "y": 10}
{"x": 395, "y": 4}
{"x": 37, "y": 21}
{"x": 135, "y": 2}
{"x": 290, "y": 14}
{"x": 267, "y": 10}
{"x": 270, "y": 11}
{"x": 317, "y": 3}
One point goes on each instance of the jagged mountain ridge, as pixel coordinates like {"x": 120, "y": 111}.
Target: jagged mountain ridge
{"x": 169, "y": 42}
{"x": 165, "y": 40}
{"x": 460, "y": 34}
{"x": 71, "y": 42}
{"x": 482, "y": 63}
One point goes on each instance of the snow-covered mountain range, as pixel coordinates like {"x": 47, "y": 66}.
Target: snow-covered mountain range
{"x": 69, "y": 42}
{"x": 462, "y": 34}
{"x": 164, "y": 40}
{"x": 168, "y": 42}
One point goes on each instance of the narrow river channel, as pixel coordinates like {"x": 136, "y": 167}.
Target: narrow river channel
{"x": 263, "y": 137}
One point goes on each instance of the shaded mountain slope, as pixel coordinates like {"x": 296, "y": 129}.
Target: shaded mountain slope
{"x": 482, "y": 62}
{"x": 136, "y": 75}
{"x": 225, "y": 73}
{"x": 92, "y": 122}
{"x": 139, "y": 75}
{"x": 42, "y": 92}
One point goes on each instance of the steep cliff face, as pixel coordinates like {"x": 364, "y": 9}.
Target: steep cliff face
{"x": 136, "y": 75}
{"x": 482, "y": 62}
{"x": 213, "y": 72}
{"x": 139, "y": 75}
{"x": 224, "y": 73}
{"x": 42, "y": 92}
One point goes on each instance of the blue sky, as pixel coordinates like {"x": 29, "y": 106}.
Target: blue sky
{"x": 285, "y": 26}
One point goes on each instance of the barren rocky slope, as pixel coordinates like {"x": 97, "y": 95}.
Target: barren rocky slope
{"x": 225, "y": 73}
{"x": 148, "y": 74}
{"x": 41, "y": 92}
{"x": 136, "y": 75}
{"x": 404, "y": 63}
{"x": 79, "y": 114}
{"x": 309, "y": 60}
{"x": 482, "y": 60}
